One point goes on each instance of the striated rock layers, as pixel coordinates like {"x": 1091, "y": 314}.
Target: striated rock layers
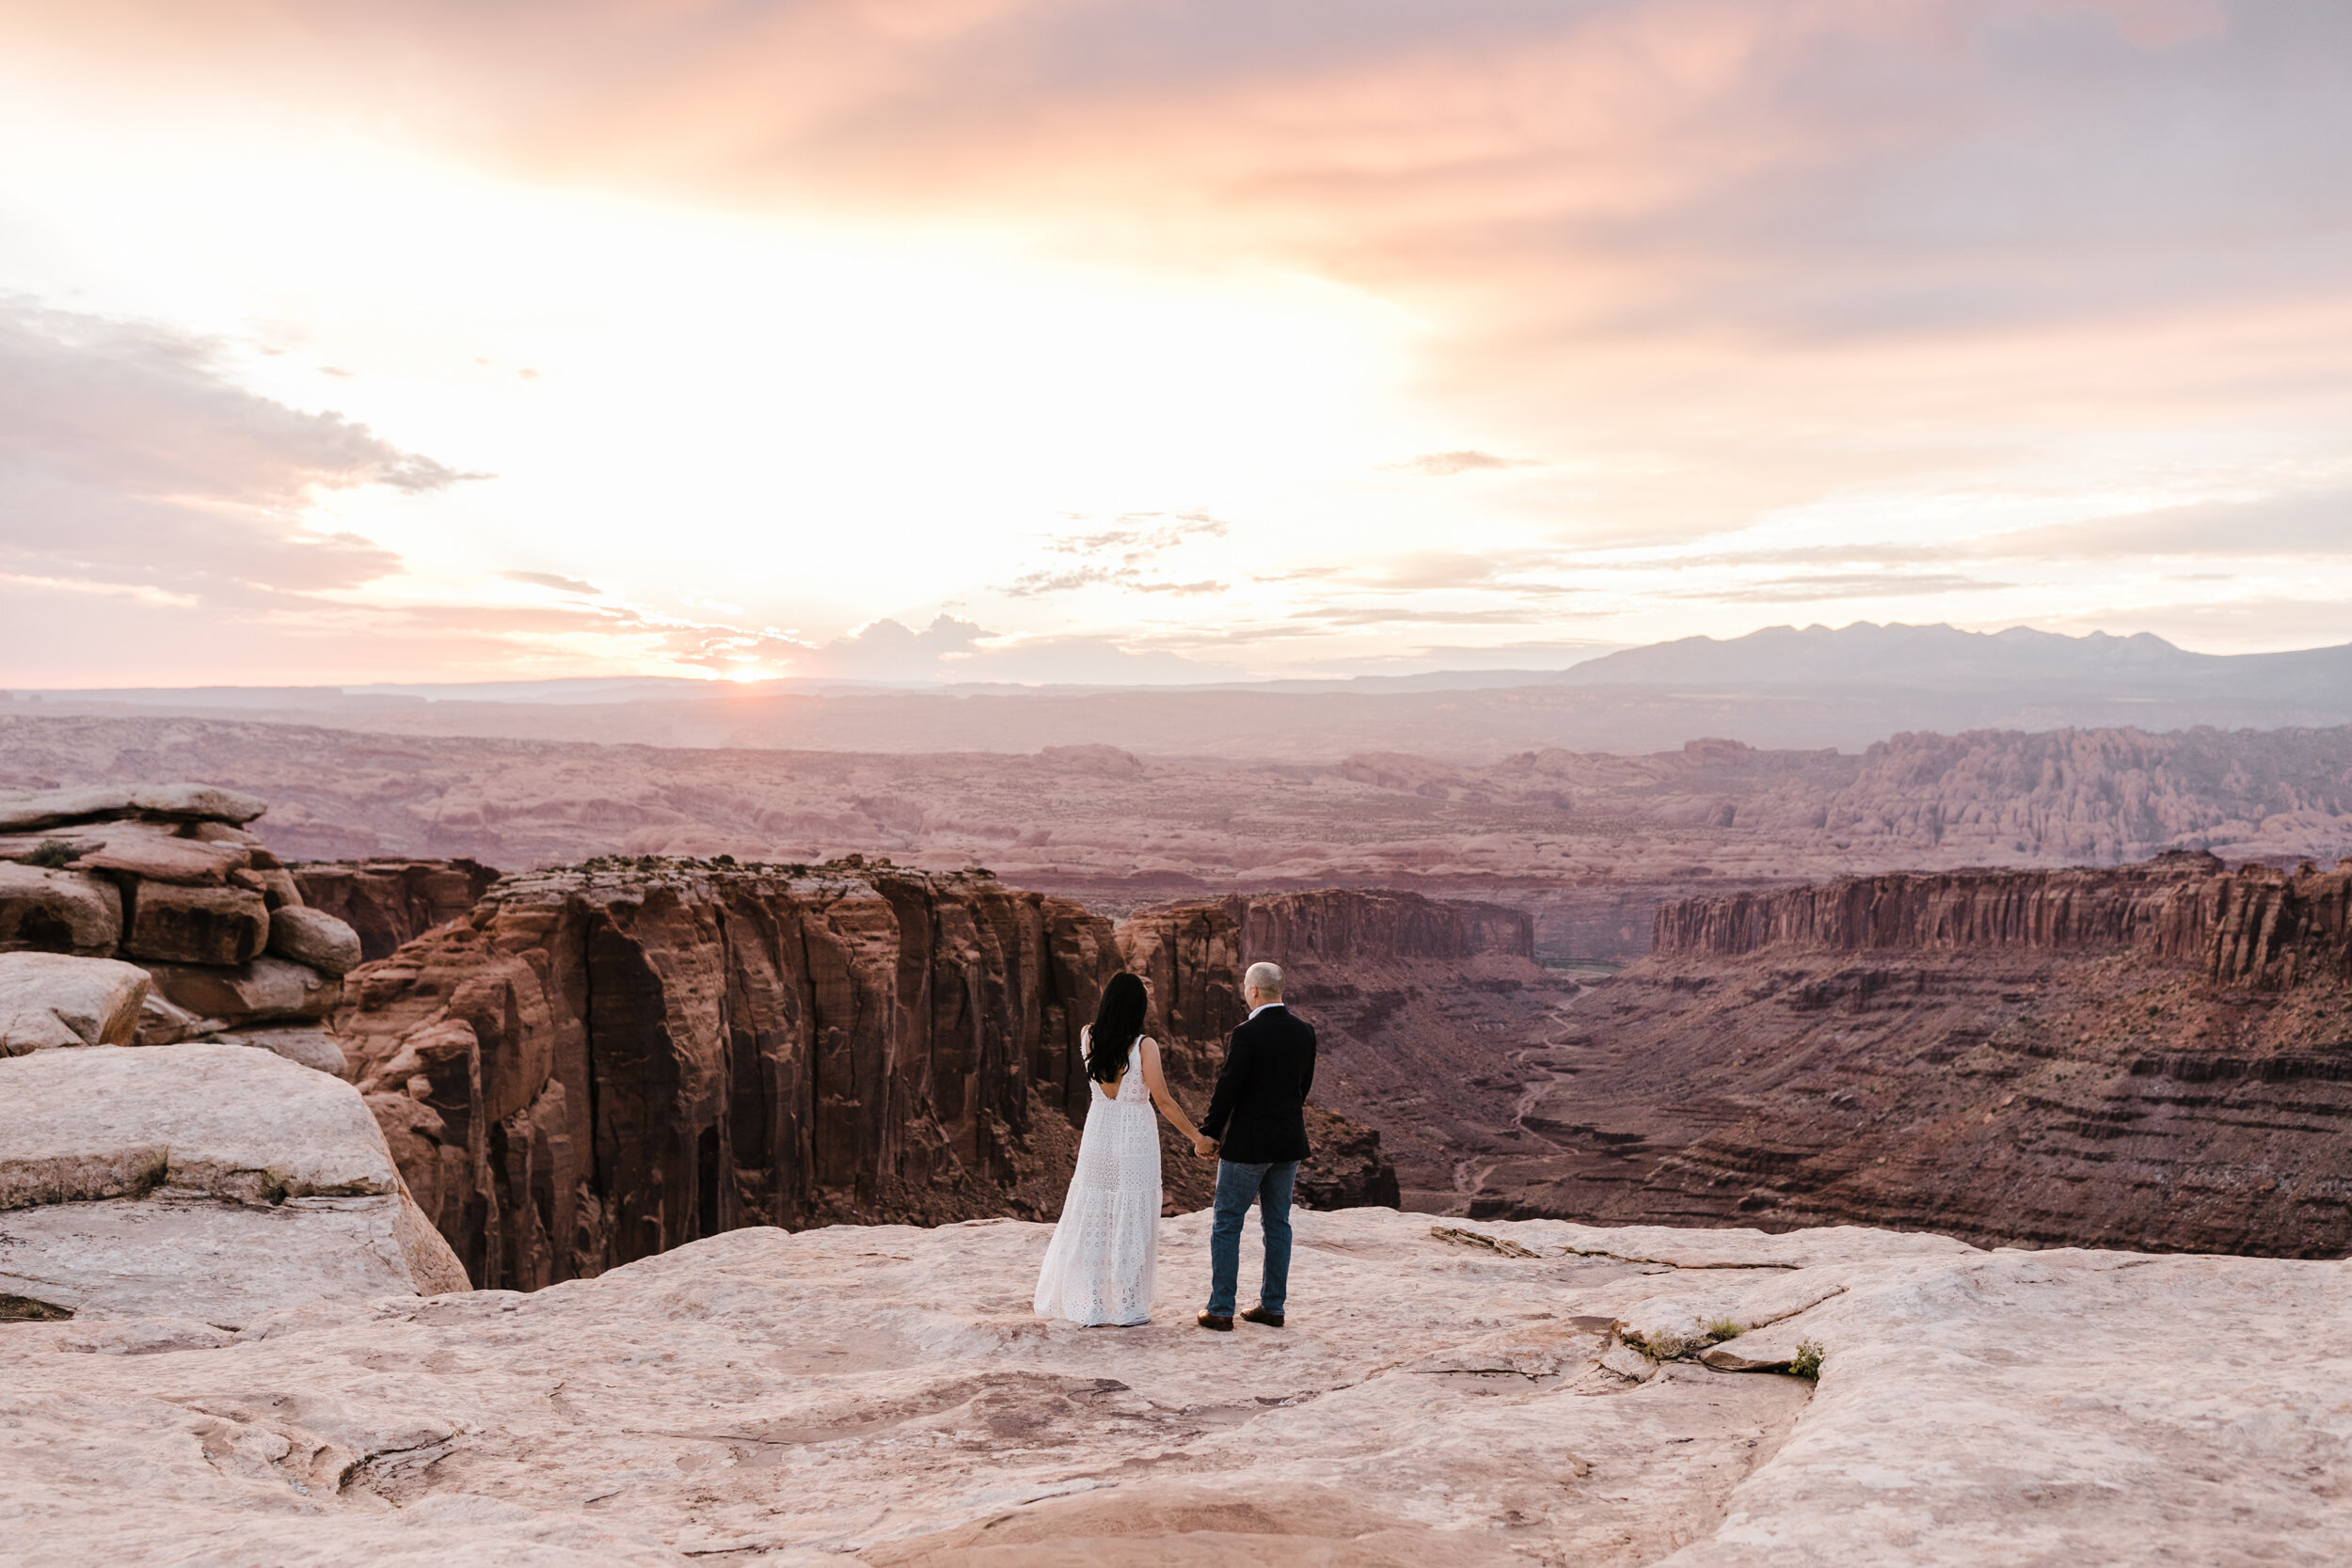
{"x": 596, "y": 1066}
{"x": 1408, "y": 996}
{"x": 2156, "y": 1056}
{"x": 600, "y": 1065}
{"x": 2259, "y": 928}
{"x": 169, "y": 878}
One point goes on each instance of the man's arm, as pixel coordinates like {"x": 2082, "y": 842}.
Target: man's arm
{"x": 1230, "y": 1080}
{"x": 1306, "y": 1084}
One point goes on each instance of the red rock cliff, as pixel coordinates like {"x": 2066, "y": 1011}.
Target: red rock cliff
{"x": 594, "y": 1067}
{"x": 2257, "y": 927}
{"x": 389, "y": 902}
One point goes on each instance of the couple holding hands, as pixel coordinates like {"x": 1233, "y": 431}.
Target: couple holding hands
{"x": 1103, "y": 1264}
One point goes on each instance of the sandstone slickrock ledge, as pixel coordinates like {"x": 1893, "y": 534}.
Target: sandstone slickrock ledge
{"x": 880, "y": 1395}
{"x": 202, "y": 1183}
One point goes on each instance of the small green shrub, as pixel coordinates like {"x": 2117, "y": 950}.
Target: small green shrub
{"x": 1807, "y": 1361}
{"x": 1723, "y": 1328}
{"x": 49, "y": 854}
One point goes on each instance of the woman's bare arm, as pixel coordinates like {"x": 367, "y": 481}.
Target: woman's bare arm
{"x": 1157, "y": 1083}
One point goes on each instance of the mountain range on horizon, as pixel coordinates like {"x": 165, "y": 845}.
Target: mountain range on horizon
{"x": 1780, "y": 687}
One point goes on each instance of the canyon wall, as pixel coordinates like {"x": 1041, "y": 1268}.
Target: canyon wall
{"x": 2153, "y": 1057}
{"x": 2258, "y": 927}
{"x": 392, "y": 901}
{"x": 600, "y": 1064}
{"x": 597, "y": 1066}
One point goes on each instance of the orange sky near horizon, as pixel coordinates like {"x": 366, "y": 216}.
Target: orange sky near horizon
{"x": 1103, "y": 341}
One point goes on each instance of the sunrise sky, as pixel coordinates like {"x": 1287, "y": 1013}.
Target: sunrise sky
{"x": 1097, "y": 339}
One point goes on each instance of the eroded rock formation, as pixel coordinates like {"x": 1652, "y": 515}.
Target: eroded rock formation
{"x": 392, "y": 901}
{"x": 2259, "y": 926}
{"x": 598, "y": 1066}
{"x": 168, "y": 877}
{"x": 2152, "y": 1056}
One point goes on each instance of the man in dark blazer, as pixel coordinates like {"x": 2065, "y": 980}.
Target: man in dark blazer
{"x": 1257, "y": 1127}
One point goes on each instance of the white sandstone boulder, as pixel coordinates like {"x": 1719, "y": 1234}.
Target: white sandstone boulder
{"x": 194, "y": 802}
{"x": 56, "y": 999}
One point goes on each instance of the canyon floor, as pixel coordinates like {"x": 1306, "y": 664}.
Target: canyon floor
{"x": 883, "y": 1395}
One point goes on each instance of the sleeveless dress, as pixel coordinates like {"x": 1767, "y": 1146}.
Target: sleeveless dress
{"x": 1104, "y": 1261}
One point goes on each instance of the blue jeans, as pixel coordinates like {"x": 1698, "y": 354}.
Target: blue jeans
{"x": 1236, "y": 1185}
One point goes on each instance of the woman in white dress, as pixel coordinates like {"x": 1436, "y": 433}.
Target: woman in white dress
{"x": 1104, "y": 1256}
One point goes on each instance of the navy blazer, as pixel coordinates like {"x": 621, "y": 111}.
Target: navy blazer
{"x": 1259, "y": 1114}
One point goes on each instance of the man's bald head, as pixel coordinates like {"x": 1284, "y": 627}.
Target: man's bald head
{"x": 1262, "y": 983}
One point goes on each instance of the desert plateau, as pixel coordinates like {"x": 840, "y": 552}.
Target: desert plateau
{"x": 990, "y": 784}
{"x": 673, "y": 1192}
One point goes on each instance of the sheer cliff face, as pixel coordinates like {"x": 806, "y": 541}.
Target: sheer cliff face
{"x": 2152, "y": 1056}
{"x": 594, "y": 1067}
{"x": 1418, "y": 1004}
{"x": 2258, "y": 928}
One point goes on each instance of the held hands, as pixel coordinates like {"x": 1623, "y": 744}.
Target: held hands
{"x": 1204, "y": 1145}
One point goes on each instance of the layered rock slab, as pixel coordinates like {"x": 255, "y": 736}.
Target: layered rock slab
{"x": 207, "y": 1181}
{"x": 883, "y": 1395}
{"x": 166, "y": 875}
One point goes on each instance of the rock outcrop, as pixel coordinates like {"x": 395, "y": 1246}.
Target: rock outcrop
{"x": 390, "y": 902}
{"x": 2153, "y": 1057}
{"x": 167, "y": 876}
{"x": 2259, "y": 928}
{"x": 881, "y": 1395}
{"x": 205, "y": 1184}
{"x": 600, "y": 1065}
{"x": 605, "y": 1063}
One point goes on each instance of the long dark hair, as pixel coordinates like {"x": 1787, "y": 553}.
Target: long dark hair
{"x": 1118, "y": 1019}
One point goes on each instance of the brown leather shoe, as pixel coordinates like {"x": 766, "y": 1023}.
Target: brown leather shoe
{"x": 1211, "y": 1320}
{"x": 1260, "y": 1315}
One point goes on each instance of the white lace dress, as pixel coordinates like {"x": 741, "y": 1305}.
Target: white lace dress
{"x": 1104, "y": 1261}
